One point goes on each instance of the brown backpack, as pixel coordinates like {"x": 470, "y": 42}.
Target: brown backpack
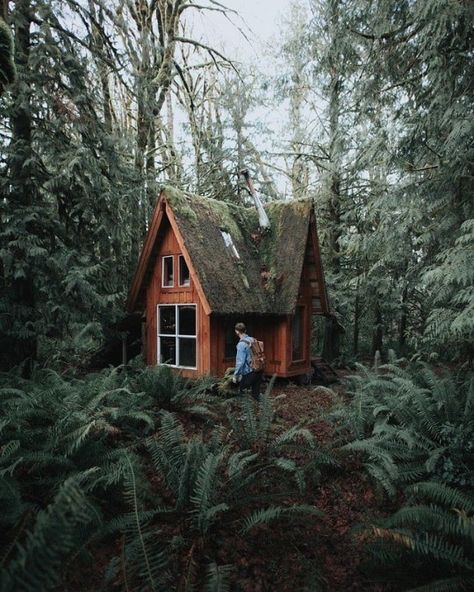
{"x": 257, "y": 355}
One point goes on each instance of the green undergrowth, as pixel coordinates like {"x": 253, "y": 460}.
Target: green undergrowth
{"x": 413, "y": 427}
{"x": 148, "y": 469}
{"x": 137, "y": 479}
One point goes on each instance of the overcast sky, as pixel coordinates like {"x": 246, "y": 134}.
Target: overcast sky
{"x": 249, "y": 38}
{"x": 257, "y": 19}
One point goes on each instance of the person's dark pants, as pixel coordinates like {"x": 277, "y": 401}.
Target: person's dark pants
{"x": 252, "y": 380}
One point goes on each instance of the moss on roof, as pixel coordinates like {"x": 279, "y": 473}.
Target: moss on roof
{"x": 265, "y": 278}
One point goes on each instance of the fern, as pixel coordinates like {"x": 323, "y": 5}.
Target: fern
{"x": 438, "y": 537}
{"x": 152, "y": 564}
{"x": 410, "y": 424}
{"x": 218, "y": 578}
{"x": 205, "y": 492}
{"x": 57, "y": 534}
{"x": 206, "y": 488}
{"x": 267, "y": 515}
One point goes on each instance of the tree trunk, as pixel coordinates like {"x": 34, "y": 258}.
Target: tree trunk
{"x": 22, "y": 186}
{"x": 332, "y": 331}
{"x": 332, "y": 339}
{"x": 403, "y": 321}
{"x": 355, "y": 340}
{"x": 377, "y": 335}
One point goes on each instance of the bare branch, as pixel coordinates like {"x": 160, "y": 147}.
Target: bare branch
{"x": 201, "y": 7}
{"x": 387, "y": 35}
{"x": 211, "y": 52}
{"x": 300, "y": 155}
{"x": 427, "y": 167}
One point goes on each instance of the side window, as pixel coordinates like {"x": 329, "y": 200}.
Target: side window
{"x": 167, "y": 272}
{"x": 230, "y": 338}
{"x": 297, "y": 334}
{"x": 184, "y": 279}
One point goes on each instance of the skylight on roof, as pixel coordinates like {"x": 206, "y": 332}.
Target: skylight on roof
{"x": 229, "y": 243}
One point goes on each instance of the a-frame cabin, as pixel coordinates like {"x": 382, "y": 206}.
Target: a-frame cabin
{"x": 206, "y": 265}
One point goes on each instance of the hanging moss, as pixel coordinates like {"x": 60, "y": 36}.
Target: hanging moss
{"x": 7, "y": 65}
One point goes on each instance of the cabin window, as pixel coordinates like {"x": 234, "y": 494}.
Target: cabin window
{"x": 297, "y": 334}
{"x": 230, "y": 342}
{"x": 230, "y": 338}
{"x": 177, "y": 335}
{"x": 229, "y": 243}
{"x": 183, "y": 272}
{"x": 167, "y": 275}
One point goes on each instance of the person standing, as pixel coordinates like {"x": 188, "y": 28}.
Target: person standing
{"x": 248, "y": 377}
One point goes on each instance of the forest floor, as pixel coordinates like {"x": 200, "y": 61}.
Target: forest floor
{"x": 345, "y": 496}
{"x": 273, "y": 559}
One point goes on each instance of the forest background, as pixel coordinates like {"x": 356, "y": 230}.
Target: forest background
{"x": 364, "y": 106}
{"x": 131, "y": 478}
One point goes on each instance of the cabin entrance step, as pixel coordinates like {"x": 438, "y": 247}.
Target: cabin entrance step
{"x": 323, "y": 371}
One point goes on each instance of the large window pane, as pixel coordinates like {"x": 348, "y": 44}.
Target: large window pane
{"x": 187, "y": 320}
{"x": 168, "y": 320}
{"x": 168, "y": 350}
{"x": 187, "y": 352}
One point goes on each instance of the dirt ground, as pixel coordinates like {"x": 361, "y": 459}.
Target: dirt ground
{"x": 275, "y": 560}
{"x": 343, "y": 494}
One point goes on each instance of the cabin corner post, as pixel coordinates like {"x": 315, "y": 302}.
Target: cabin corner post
{"x": 204, "y": 342}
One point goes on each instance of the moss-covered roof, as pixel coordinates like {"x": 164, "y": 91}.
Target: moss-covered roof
{"x": 265, "y": 277}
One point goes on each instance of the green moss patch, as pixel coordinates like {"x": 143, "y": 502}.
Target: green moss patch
{"x": 264, "y": 277}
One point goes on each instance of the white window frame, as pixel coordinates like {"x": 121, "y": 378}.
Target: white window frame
{"x": 229, "y": 243}
{"x": 163, "y": 285}
{"x": 176, "y": 335}
{"x": 182, "y": 259}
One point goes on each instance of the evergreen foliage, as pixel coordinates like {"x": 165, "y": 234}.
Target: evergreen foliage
{"x": 413, "y": 428}
{"x": 411, "y": 424}
{"x": 207, "y": 492}
{"x": 72, "y": 463}
{"x": 427, "y": 544}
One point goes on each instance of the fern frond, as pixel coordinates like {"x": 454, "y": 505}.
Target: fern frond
{"x": 218, "y": 578}
{"x": 55, "y": 536}
{"x": 267, "y": 515}
{"x": 132, "y": 495}
{"x": 444, "y": 495}
{"x": 205, "y": 491}
{"x": 292, "y": 435}
{"x": 238, "y": 462}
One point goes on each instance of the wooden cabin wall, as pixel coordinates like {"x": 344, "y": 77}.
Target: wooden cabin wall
{"x": 275, "y": 332}
{"x": 269, "y": 329}
{"x": 306, "y": 294}
{"x": 177, "y": 295}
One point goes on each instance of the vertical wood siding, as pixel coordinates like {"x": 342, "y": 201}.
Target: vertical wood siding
{"x": 274, "y": 331}
{"x": 155, "y": 295}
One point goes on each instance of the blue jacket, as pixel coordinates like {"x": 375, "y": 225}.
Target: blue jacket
{"x": 244, "y": 357}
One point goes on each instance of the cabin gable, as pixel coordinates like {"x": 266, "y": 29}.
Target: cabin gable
{"x": 206, "y": 264}
{"x": 176, "y": 316}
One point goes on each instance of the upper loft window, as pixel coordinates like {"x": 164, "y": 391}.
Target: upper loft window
{"x": 167, "y": 272}
{"x": 184, "y": 279}
{"x": 229, "y": 243}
